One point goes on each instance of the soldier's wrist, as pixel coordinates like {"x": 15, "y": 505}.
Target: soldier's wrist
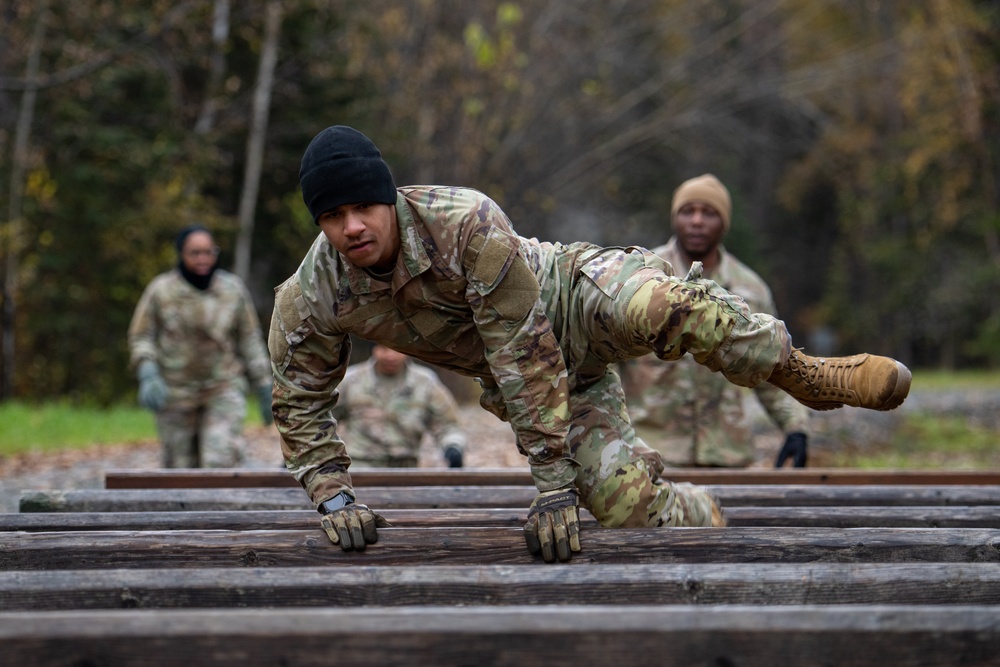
{"x": 339, "y": 501}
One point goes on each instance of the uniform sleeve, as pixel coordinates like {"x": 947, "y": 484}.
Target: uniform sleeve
{"x": 251, "y": 342}
{"x": 521, "y": 347}
{"x": 442, "y": 418}
{"x": 787, "y": 414}
{"x": 143, "y": 329}
{"x": 308, "y": 366}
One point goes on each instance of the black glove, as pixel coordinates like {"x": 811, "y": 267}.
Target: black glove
{"x": 553, "y": 527}
{"x": 349, "y": 524}
{"x": 794, "y": 449}
{"x": 453, "y": 455}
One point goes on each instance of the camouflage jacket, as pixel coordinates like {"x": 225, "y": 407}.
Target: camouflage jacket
{"x": 387, "y": 417}
{"x": 691, "y": 415}
{"x": 467, "y": 294}
{"x": 202, "y": 341}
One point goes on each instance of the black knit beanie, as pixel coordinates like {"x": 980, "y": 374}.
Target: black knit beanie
{"x": 343, "y": 166}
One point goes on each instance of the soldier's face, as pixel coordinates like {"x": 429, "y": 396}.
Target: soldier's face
{"x": 366, "y": 234}
{"x": 699, "y": 229}
{"x": 388, "y": 361}
{"x": 199, "y": 253}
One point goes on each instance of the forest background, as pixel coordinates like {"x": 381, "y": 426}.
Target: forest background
{"x": 859, "y": 139}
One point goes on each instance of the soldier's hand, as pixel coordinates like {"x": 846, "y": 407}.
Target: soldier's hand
{"x": 553, "y": 527}
{"x": 795, "y": 449}
{"x": 349, "y": 524}
{"x": 152, "y": 388}
{"x": 453, "y": 455}
{"x": 264, "y": 400}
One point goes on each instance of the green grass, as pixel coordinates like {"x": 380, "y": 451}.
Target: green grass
{"x": 924, "y": 441}
{"x": 943, "y": 380}
{"x": 53, "y": 426}
{"x": 930, "y": 441}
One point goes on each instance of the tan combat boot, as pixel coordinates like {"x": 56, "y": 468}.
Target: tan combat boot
{"x": 860, "y": 381}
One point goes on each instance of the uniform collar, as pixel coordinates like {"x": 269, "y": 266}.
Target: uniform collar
{"x": 413, "y": 256}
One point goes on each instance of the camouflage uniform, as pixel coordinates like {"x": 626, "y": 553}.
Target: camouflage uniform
{"x": 385, "y": 417}
{"x": 205, "y": 344}
{"x": 537, "y": 323}
{"x": 692, "y": 416}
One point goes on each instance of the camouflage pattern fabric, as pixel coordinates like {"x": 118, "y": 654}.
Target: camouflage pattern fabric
{"x": 538, "y": 323}
{"x": 385, "y": 417}
{"x": 206, "y": 345}
{"x": 692, "y": 416}
{"x": 209, "y": 436}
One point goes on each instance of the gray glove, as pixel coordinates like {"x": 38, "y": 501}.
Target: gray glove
{"x": 264, "y": 399}
{"x": 553, "y": 527}
{"x": 349, "y": 524}
{"x": 152, "y": 388}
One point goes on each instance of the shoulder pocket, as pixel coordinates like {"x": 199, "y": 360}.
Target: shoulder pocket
{"x": 289, "y": 325}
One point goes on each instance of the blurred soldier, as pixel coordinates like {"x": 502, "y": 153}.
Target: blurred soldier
{"x": 439, "y": 273}
{"x": 387, "y": 404}
{"x": 194, "y": 341}
{"x": 692, "y": 416}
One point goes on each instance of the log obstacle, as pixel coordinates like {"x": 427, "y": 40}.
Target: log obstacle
{"x": 969, "y": 516}
{"x": 229, "y": 478}
{"x": 828, "y": 569}
{"x": 875, "y": 635}
{"x": 473, "y": 545}
{"x": 449, "y": 585}
{"x": 399, "y": 497}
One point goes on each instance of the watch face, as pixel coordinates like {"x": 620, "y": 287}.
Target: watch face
{"x": 338, "y": 501}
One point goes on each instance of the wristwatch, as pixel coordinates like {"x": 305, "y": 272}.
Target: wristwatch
{"x": 339, "y": 501}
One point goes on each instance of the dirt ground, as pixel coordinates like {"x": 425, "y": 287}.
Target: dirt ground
{"x": 490, "y": 444}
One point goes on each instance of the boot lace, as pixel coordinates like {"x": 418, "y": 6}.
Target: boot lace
{"x": 812, "y": 370}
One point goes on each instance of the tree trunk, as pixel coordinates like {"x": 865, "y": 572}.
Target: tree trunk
{"x": 18, "y": 167}
{"x": 255, "y": 141}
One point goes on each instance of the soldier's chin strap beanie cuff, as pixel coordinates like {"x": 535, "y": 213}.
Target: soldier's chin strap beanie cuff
{"x": 705, "y": 188}
{"x": 343, "y": 166}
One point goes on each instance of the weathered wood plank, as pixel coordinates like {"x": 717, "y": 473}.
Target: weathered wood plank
{"x": 984, "y": 516}
{"x": 636, "y": 583}
{"x": 494, "y": 546}
{"x": 520, "y": 636}
{"x": 254, "y": 519}
{"x": 416, "y": 497}
{"x": 241, "y": 477}
{"x": 981, "y": 516}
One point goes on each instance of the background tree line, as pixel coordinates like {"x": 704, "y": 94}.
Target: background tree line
{"x": 858, "y": 137}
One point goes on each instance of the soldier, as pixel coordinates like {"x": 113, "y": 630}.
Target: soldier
{"x": 439, "y": 273}
{"x": 689, "y": 414}
{"x": 386, "y": 406}
{"x": 194, "y": 339}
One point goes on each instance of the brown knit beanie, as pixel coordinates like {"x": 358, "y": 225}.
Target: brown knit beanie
{"x": 705, "y": 188}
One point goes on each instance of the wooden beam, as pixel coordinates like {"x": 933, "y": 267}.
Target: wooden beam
{"x": 493, "y": 546}
{"x": 637, "y": 583}
{"x": 483, "y": 497}
{"x": 242, "y": 477}
{"x": 254, "y": 519}
{"x": 983, "y": 516}
{"x": 861, "y": 635}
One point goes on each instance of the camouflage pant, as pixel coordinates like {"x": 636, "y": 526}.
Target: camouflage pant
{"x": 618, "y": 478}
{"x": 209, "y": 435}
{"x": 650, "y": 311}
